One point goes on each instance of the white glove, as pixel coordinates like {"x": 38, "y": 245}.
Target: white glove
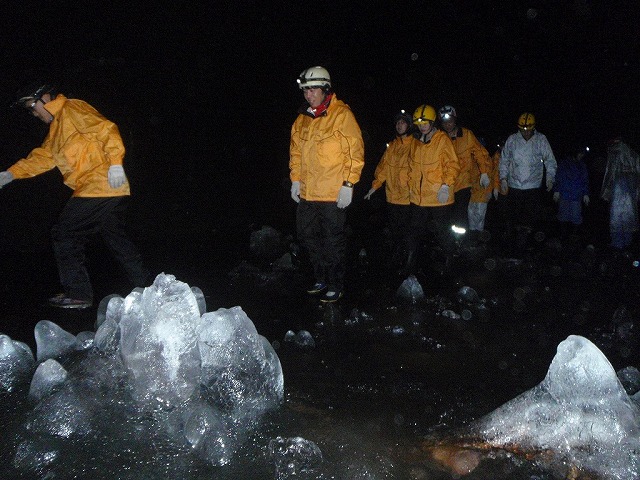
{"x": 116, "y": 176}
{"x": 344, "y": 196}
{"x": 443, "y": 194}
{"x": 556, "y": 196}
{"x": 484, "y": 180}
{"x": 495, "y": 193}
{"x": 295, "y": 191}
{"x": 504, "y": 186}
{"x": 549, "y": 184}
{"x": 586, "y": 200}
{"x": 369, "y": 193}
{"x": 5, "y": 178}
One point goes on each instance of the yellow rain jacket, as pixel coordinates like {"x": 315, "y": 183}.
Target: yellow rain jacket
{"x": 326, "y": 151}
{"x": 431, "y": 165}
{"x": 483, "y": 195}
{"x": 393, "y": 170}
{"x": 82, "y": 144}
{"x": 471, "y": 155}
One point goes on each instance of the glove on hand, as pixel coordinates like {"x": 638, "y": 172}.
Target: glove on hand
{"x": 5, "y": 178}
{"x": 116, "y": 176}
{"x": 369, "y": 193}
{"x": 556, "y": 196}
{"x": 495, "y": 193}
{"x": 443, "y": 194}
{"x": 295, "y": 191}
{"x": 484, "y": 180}
{"x": 586, "y": 200}
{"x": 504, "y": 186}
{"x": 549, "y": 184}
{"x": 344, "y": 196}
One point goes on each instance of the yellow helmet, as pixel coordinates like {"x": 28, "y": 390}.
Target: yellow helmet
{"x": 527, "y": 121}
{"x": 424, "y": 114}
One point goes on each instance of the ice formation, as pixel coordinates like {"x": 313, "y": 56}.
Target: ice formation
{"x": 410, "y": 290}
{"x": 580, "y": 412}
{"x": 168, "y": 372}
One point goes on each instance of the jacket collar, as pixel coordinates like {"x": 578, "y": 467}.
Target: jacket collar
{"x": 305, "y": 109}
{"x": 55, "y": 105}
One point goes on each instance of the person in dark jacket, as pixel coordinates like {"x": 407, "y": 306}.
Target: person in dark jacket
{"x": 571, "y": 190}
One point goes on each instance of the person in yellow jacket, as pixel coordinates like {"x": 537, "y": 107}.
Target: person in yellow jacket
{"x": 472, "y": 156}
{"x": 480, "y": 195}
{"x": 326, "y": 159}
{"x": 392, "y": 171}
{"x": 88, "y": 151}
{"x": 433, "y": 170}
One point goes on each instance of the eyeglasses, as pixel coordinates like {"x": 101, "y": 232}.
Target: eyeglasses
{"x": 32, "y": 106}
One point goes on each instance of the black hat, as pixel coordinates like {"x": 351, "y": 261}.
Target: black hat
{"x": 34, "y": 91}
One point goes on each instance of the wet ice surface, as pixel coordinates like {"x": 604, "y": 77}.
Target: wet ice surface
{"x": 165, "y": 382}
{"x": 580, "y": 413}
{"x": 380, "y": 375}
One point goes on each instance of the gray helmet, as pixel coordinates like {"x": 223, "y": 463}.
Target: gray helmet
{"x": 447, "y": 112}
{"x": 314, "y": 77}
{"x": 403, "y": 115}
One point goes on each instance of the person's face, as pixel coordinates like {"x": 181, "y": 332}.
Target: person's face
{"x": 401, "y": 126}
{"x": 526, "y": 134}
{"x": 425, "y": 127}
{"x": 313, "y": 96}
{"x": 36, "y": 108}
{"x": 449, "y": 125}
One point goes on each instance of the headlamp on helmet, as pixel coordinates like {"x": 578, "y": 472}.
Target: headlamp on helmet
{"x": 447, "y": 113}
{"x": 403, "y": 115}
{"x": 424, "y": 114}
{"x": 32, "y": 93}
{"x": 314, "y": 77}
{"x": 527, "y": 121}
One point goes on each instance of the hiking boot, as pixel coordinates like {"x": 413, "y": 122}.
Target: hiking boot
{"x": 62, "y": 301}
{"x": 331, "y": 296}
{"x": 317, "y": 287}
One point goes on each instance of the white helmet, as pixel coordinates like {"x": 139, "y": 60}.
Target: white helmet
{"x": 314, "y": 77}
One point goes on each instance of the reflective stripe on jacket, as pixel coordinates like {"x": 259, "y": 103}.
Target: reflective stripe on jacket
{"x": 431, "y": 165}
{"x": 393, "y": 171}
{"x": 523, "y": 162}
{"x": 82, "y": 144}
{"x": 472, "y": 157}
{"x": 326, "y": 151}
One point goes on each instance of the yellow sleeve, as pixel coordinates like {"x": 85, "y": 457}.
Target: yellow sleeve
{"x": 294, "y": 153}
{"x": 380, "y": 175}
{"x": 449, "y": 161}
{"x": 354, "y": 157}
{"x": 90, "y": 123}
{"x": 38, "y": 161}
{"x": 480, "y": 155}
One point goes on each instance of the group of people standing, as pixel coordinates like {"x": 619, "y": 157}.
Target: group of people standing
{"x": 438, "y": 178}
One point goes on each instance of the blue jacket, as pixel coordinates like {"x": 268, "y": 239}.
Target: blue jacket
{"x": 572, "y": 180}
